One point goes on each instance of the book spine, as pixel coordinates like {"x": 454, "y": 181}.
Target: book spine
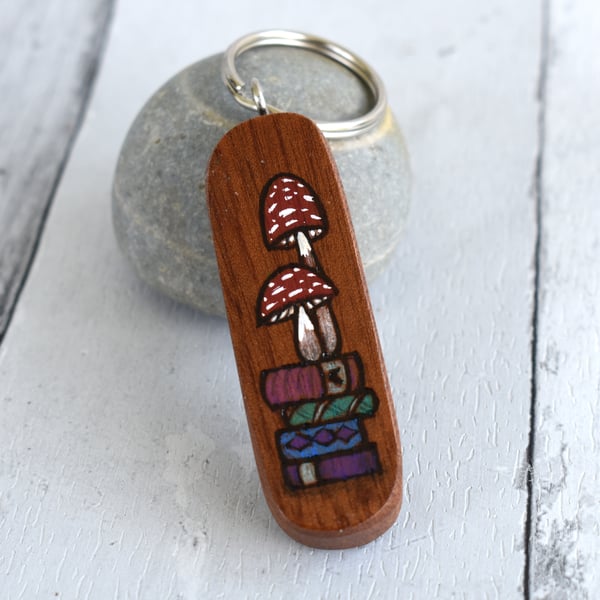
{"x": 359, "y": 461}
{"x": 301, "y": 382}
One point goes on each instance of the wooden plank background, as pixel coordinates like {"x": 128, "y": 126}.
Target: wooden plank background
{"x": 565, "y": 548}
{"x": 125, "y": 462}
{"x": 50, "y": 53}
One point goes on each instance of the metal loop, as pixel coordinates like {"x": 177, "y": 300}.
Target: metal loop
{"x": 258, "y": 97}
{"x": 278, "y": 37}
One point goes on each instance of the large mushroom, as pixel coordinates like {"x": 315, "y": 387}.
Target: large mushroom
{"x": 293, "y": 216}
{"x": 289, "y": 293}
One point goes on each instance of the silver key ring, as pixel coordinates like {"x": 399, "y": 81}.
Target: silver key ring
{"x": 279, "y": 37}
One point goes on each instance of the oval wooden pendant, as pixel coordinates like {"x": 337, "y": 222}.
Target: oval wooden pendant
{"x": 316, "y": 393}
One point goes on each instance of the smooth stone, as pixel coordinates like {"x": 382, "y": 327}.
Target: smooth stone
{"x": 159, "y": 206}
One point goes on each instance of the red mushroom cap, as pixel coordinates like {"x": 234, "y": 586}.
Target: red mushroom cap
{"x": 290, "y": 287}
{"x": 289, "y": 205}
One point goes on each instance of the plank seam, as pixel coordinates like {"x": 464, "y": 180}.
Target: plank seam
{"x": 88, "y": 79}
{"x": 538, "y": 201}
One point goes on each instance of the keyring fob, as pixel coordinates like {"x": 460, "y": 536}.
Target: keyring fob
{"x": 315, "y": 389}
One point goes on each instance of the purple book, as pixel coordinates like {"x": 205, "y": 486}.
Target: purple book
{"x": 359, "y": 461}
{"x": 298, "y": 383}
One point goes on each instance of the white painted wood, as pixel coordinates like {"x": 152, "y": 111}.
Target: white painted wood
{"x": 49, "y": 55}
{"x": 566, "y": 541}
{"x": 126, "y": 467}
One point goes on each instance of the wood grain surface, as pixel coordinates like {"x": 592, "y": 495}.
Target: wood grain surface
{"x": 565, "y": 528}
{"x": 327, "y": 515}
{"x": 50, "y": 55}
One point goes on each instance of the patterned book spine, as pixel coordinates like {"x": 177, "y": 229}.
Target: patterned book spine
{"x": 316, "y": 441}
{"x": 362, "y": 404}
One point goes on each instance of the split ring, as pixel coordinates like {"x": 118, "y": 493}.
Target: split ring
{"x": 278, "y": 37}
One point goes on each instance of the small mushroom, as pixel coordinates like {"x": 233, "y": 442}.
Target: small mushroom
{"x": 294, "y": 292}
{"x": 293, "y": 215}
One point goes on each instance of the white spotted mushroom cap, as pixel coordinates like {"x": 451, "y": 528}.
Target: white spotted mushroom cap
{"x": 291, "y": 205}
{"x": 289, "y": 288}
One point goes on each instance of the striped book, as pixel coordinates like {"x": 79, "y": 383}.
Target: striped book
{"x": 297, "y": 383}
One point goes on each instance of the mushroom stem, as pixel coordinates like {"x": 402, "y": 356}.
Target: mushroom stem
{"x": 307, "y": 339}
{"x": 305, "y": 250}
{"x": 327, "y": 329}
{"x": 325, "y": 318}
